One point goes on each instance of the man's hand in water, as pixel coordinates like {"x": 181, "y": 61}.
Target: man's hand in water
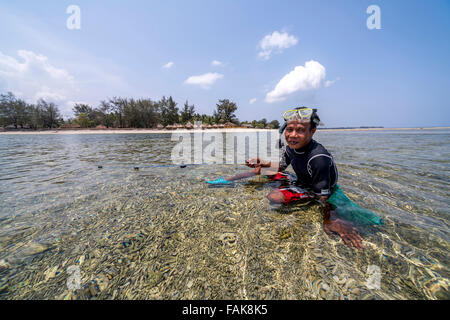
{"x": 344, "y": 229}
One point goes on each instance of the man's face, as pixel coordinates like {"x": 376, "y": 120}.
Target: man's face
{"x": 298, "y": 134}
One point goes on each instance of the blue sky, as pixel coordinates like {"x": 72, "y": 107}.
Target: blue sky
{"x": 270, "y": 56}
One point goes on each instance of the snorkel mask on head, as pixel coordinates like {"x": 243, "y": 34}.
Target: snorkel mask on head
{"x": 302, "y": 114}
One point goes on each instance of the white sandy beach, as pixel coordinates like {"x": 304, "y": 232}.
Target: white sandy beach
{"x": 135, "y": 131}
{"x": 123, "y": 131}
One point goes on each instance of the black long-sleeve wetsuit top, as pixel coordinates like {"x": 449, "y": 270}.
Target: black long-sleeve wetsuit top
{"x": 313, "y": 165}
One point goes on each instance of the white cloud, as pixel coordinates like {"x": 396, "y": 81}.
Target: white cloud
{"x": 168, "y": 65}
{"x": 36, "y": 78}
{"x": 308, "y": 77}
{"x": 89, "y": 78}
{"x": 252, "y": 101}
{"x": 47, "y": 94}
{"x": 331, "y": 82}
{"x": 216, "y": 63}
{"x": 32, "y": 76}
{"x": 204, "y": 80}
{"x": 275, "y": 42}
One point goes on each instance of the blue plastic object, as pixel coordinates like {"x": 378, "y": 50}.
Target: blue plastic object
{"x": 220, "y": 181}
{"x": 349, "y": 210}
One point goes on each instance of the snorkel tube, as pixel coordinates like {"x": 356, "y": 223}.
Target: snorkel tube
{"x": 280, "y": 144}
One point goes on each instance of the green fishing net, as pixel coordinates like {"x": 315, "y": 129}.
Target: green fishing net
{"x": 350, "y": 211}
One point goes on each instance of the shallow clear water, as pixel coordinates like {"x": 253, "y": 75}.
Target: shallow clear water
{"x": 161, "y": 233}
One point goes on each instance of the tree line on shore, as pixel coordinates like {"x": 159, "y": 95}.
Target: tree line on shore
{"x": 117, "y": 112}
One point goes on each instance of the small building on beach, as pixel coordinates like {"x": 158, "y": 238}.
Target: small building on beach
{"x": 229, "y": 125}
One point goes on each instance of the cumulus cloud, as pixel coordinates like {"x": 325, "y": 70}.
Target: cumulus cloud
{"x": 302, "y": 78}
{"x": 275, "y": 42}
{"x": 168, "y": 65}
{"x": 252, "y": 101}
{"x": 204, "y": 80}
{"x": 33, "y": 77}
{"x": 216, "y": 63}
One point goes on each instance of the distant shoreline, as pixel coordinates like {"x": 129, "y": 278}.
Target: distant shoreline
{"x": 134, "y": 131}
{"x": 382, "y": 129}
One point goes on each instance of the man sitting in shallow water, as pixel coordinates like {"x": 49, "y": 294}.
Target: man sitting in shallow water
{"x": 314, "y": 167}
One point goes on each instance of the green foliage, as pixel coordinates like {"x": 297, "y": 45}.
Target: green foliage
{"x": 116, "y": 112}
{"x": 275, "y": 124}
{"x": 225, "y": 111}
{"x": 187, "y": 114}
{"x": 37, "y": 117}
{"x": 169, "y": 111}
{"x": 48, "y": 114}
{"x": 17, "y": 112}
{"x": 263, "y": 122}
{"x": 82, "y": 108}
{"x": 83, "y": 120}
{"x": 13, "y": 111}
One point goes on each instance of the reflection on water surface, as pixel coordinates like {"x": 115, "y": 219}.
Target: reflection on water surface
{"x": 161, "y": 233}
